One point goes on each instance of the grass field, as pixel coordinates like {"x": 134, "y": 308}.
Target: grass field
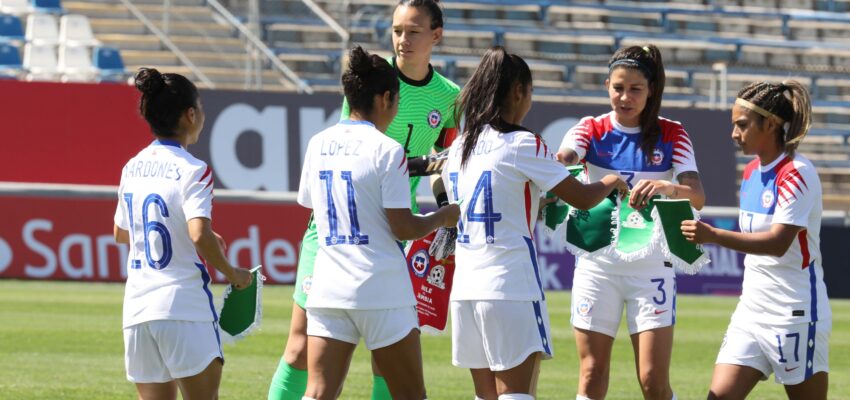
{"x": 62, "y": 340}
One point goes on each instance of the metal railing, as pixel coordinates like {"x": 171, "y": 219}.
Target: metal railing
{"x": 300, "y": 85}
{"x": 168, "y": 43}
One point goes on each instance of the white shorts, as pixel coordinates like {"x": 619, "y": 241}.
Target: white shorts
{"x": 598, "y": 299}
{"x": 165, "y": 350}
{"x": 793, "y": 352}
{"x": 379, "y": 328}
{"x": 499, "y": 334}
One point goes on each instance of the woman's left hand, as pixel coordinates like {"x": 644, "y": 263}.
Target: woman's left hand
{"x": 645, "y": 189}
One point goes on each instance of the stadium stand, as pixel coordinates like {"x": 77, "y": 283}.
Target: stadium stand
{"x": 711, "y": 47}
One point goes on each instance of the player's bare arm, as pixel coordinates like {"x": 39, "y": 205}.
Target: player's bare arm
{"x": 774, "y": 242}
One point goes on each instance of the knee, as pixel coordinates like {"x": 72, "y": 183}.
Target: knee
{"x": 655, "y": 385}
{"x": 593, "y": 371}
{"x": 295, "y": 353}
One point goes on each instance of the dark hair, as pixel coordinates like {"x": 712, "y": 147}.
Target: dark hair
{"x": 431, "y": 6}
{"x": 164, "y": 99}
{"x": 789, "y": 101}
{"x": 367, "y": 75}
{"x": 485, "y": 94}
{"x": 647, "y": 60}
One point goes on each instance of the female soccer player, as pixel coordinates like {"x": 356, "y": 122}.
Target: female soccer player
{"x": 355, "y": 179}
{"x": 783, "y": 320}
{"x": 164, "y": 209}
{"x": 648, "y": 152}
{"x": 497, "y": 169}
{"x": 425, "y": 121}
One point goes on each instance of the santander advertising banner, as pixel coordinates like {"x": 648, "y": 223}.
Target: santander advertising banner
{"x": 83, "y": 134}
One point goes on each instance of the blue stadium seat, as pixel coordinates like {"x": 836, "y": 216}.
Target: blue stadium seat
{"x": 10, "y": 62}
{"x": 108, "y": 62}
{"x": 48, "y": 6}
{"x": 11, "y": 29}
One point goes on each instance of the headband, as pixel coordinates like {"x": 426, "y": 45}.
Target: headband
{"x": 760, "y": 111}
{"x": 632, "y": 63}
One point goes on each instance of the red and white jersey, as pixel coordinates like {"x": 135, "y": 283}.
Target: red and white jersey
{"x": 162, "y": 188}
{"x": 787, "y": 289}
{"x": 500, "y": 188}
{"x": 351, "y": 173}
{"x": 606, "y": 147}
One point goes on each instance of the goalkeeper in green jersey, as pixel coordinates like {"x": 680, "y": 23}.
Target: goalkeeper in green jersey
{"x": 424, "y": 125}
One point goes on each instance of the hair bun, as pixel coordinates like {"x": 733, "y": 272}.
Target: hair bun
{"x": 149, "y": 81}
{"x": 358, "y": 61}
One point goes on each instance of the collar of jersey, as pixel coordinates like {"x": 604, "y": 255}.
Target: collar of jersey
{"x": 167, "y": 142}
{"x": 621, "y": 128}
{"x": 768, "y": 167}
{"x": 425, "y": 81}
{"x": 352, "y": 122}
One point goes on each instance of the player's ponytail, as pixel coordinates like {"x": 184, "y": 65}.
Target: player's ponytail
{"x": 487, "y": 93}
{"x": 432, "y": 7}
{"x": 165, "y": 97}
{"x": 367, "y": 75}
{"x": 647, "y": 60}
{"x": 787, "y": 103}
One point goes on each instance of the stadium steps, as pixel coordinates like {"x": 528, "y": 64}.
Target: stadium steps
{"x": 195, "y": 29}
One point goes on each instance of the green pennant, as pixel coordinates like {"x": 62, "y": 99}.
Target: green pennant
{"x": 592, "y": 230}
{"x": 241, "y": 310}
{"x": 635, "y": 233}
{"x": 686, "y": 256}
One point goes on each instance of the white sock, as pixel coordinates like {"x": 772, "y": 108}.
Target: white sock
{"x": 674, "y": 397}
{"x": 580, "y": 397}
{"x": 307, "y": 398}
{"x": 516, "y": 396}
{"x": 478, "y": 398}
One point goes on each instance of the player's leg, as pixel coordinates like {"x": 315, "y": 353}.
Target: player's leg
{"x": 393, "y": 337}
{"x": 290, "y": 379}
{"x": 651, "y": 315}
{"x": 380, "y": 390}
{"x": 814, "y": 388}
{"x": 596, "y": 308}
{"x": 332, "y": 337}
{"x": 653, "y": 351}
{"x": 157, "y": 391}
{"x": 519, "y": 380}
{"x": 203, "y": 386}
{"x": 402, "y": 366}
{"x": 327, "y": 362}
{"x": 740, "y": 364}
{"x": 731, "y": 382}
{"x": 484, "y": 382}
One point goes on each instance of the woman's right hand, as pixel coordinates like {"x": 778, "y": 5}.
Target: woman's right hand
{"x": 450, "y": 213}
{"x": 617, "y": 183}
{"x": 240, "y": 278}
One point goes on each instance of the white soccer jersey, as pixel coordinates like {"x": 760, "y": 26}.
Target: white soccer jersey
{"x": 606, "y": 147}
{"x": 162, "y": 188}
{"x": 351, "y": 173}
{"x": 500, "y": 188}
{"x": 787, "y": 289}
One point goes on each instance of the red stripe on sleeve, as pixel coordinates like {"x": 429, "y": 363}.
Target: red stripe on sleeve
{"x": 528, "y": 209}
{"x": 804, "y": 247}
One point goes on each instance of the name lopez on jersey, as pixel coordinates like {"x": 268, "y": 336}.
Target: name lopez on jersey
{"x": 346, "y": 148}
{"x": 152, "y": 169}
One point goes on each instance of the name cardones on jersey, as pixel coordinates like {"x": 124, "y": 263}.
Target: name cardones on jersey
{"x": 152, "y": 169}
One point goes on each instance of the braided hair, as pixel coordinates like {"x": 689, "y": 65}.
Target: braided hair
{"x": 789, "y": 102}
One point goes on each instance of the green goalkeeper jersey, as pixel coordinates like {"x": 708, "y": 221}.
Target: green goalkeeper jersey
{"x": 425, "y": 108}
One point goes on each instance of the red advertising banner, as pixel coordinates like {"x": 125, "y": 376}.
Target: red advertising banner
{"x": 67, "y": 238}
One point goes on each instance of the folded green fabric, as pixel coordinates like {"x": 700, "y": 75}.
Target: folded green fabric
{"x": 241, "y": 310}
{"x": 688, "y": 257}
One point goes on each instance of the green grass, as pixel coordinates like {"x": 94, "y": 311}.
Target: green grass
{"x": 62, "y": 340}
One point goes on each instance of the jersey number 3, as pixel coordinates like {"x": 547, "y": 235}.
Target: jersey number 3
{"x": 334, "y": 238}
